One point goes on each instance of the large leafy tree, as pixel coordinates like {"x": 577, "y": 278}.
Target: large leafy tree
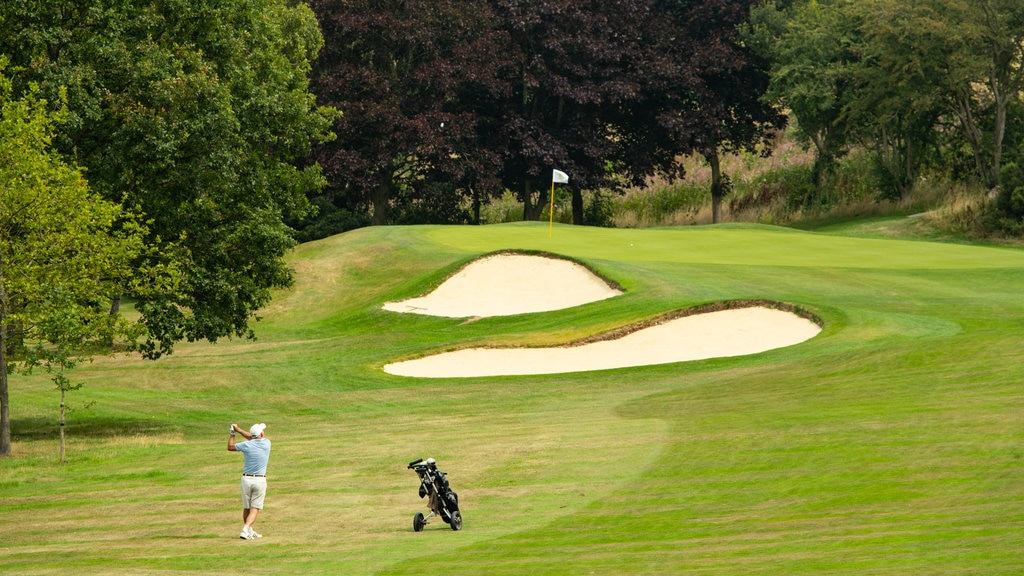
{"x": 894, "y": 77}
{"x": 706, "y": 85}
{"x": 64, "y": 253}
{"x": 194, "y": 112}
{"x": 812, "y": 47}
{"x": 613, "y": 92}
{"x": 900, "y": 83}
{"x": 403, "y": 74}
{"x": 497, "y": 94}
{"x": 986, "y": 75}
{"x": 572, "y": 74}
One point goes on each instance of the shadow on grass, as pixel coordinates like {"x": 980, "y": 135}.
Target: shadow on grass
{"x": 34, "y": 429}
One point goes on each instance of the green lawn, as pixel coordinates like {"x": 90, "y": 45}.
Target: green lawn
{"x": 892, "y": 443}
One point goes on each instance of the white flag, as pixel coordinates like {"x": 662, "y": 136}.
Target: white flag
{"x": 559, "y": 177}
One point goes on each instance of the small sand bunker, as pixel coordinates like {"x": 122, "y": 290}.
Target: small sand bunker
{"x": 718, "y": 334}
{"x": 507, "y": 284}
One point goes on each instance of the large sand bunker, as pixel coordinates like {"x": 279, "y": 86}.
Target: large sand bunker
{"x": 718, "y": 334}
{"x": 505, "y": 284}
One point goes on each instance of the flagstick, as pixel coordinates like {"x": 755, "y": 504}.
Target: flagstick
{"x": 551, "y": 210}
{"x": 556, "y": 176}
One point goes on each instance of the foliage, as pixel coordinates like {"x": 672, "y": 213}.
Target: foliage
{"x": 487, "y": 97}
{"x": 436, "y": 203}
{"x": 327, "y": 219}
{"x": 912, "y": 83}
{"x": 502, "y": 209}
{"x": 599, "y": 211}
{"x": 195, "y": 114}
{"x": 65, "y": 253}
{"x": 791, "y": 185}
{"x": 811, "y": 50}
{"x": 1008, "y": 214}
{"x": 568, "y": 75}
{"x": 987, "y": 38}
{"x": 703, "y": 90}
{"x": 403, "y": 72}
{"x": 656, "y": 205}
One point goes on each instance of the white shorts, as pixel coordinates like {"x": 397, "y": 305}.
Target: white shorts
{"x": 254, "y": 490}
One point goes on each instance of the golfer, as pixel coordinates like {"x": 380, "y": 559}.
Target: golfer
{"x": 256, "y": 451}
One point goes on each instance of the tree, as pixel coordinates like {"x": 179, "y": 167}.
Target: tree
{"x": 64, "y": 253}
{"x": 571, "y": 72}
{"x": 899, "y": 99}
{"x": 404, "y": 73}
{"x": 485, "y": 96}
{"x": 706, "y": 85}
{"x": 895, "y": 77}
{"x": 195, "y": 113}
{"x": 987, "y": 75}
{"x": 614, "y": 92}
{"x": 811, "y": 47}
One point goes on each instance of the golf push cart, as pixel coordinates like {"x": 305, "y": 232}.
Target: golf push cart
{"x": 443, "y": 502}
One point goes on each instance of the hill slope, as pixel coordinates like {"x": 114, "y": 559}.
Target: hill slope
{"x": 889, "y": 444}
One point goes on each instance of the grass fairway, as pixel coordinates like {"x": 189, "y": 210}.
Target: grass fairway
{"x": 891, "y": 443}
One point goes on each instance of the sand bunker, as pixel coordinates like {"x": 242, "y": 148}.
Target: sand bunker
{"x": 507, "y": 284}
{"x": 712, "y": 335}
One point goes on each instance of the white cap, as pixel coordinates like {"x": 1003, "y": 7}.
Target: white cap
{"x": 257, "y": 429}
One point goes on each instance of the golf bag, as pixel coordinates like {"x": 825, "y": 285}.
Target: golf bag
{"x": 443, "y": 501}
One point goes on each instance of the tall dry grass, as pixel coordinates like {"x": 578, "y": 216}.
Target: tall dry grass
{"x": 777, "y": 189}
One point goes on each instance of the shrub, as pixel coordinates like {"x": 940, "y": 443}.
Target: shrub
{"x": 432, "y": 203}
{"x": 598, "y": 211}
{"x": 328, "y": 221}
{"x": 1008, "y": 214}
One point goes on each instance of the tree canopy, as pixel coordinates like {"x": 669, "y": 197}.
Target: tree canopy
{"x": 64, "y": 251}
{"x": 402, "y": 72}
{"x": 494, "y": 95}
{"x": 908, "y": 82}
{"x": 196, "y": 114}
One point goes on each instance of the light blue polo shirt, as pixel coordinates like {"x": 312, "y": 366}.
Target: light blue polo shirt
{"x": 256, "y": 453}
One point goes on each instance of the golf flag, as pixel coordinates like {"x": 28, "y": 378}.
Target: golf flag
{"x": 557, "y": 177}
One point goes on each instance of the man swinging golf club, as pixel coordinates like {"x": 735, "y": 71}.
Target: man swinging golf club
{"x": 256, "y": 452}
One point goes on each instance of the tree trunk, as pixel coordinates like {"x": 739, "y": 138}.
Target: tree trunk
{"x": 998, "y": 132}
{"x": 909, "y": 170}
{"x": 897, "y": 157}
{"x": 577, "y": 207}
{"x": 62, "y": 397}
{"x": 824, "y": 160}
{"x": 543, "y": 201}
{"x": 532, "y": 211}
{"x": 717, "y": 190}
{"x": 526, "y": 201}
{"x": 5, "y": 411}
{"x": 476, "y": 206}
{"x": 972, "y": 133}
{"x": 381, "y": 199}
{"x": 115, "y": 308}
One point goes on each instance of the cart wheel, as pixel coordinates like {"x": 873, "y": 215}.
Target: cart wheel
{"x": 456, "y": 522}
{"x": 418, "y": 522}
